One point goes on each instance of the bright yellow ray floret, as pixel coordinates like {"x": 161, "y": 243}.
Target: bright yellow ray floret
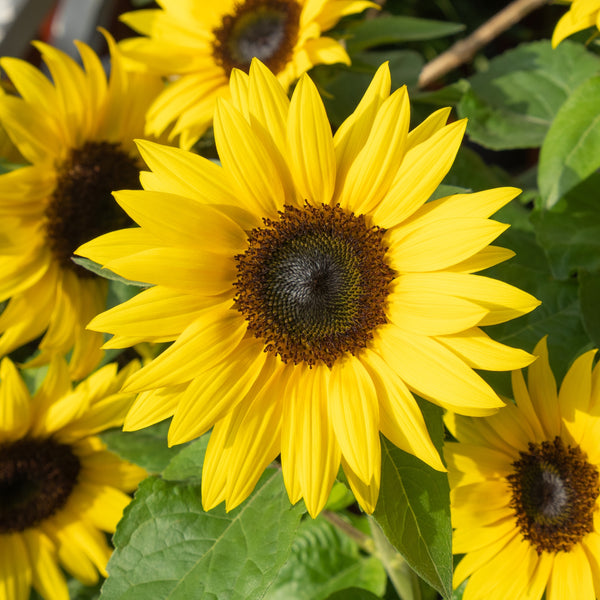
{"x": 582, "y": 14}
{"x": 309, "y": 289}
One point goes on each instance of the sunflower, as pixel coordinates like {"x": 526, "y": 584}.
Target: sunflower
{"x": 308, "y": 289}
{"x": 525, "y": 489}
{"x": 581, "y": 15}
{"x": 60, "y": 489}
{"x": 76, "y": 134}
{"x": 200, "y": 43}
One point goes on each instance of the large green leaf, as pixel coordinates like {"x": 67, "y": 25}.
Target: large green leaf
{"x": 513, "y": 102}
{"x": 570, "y": 231}
{"x": 558, "y": 316}
{"x": 324, "y": 560}
{"x": 571, "y": 151}
{"x": 414, "y": 508}
{"x": 396, "y": 29}
{"x": 187, "y": 464}
{"x": 406, "y": 584}
{"x": 168, "y": 547}
{"x": 147, "y": 447}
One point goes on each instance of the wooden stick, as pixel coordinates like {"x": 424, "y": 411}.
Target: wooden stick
{"x": 464, "y": 50}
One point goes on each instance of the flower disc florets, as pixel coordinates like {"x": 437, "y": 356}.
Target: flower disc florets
{"x": 313, "y": 284}
{"x": 554, "y": 493}
{"x": 265, "y": 29}
{"x": 81, "y": 206}
{"x": 36, "y": 480}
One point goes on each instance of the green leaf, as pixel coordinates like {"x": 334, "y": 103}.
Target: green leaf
{"x": 353, "y": 593}
{"x": 406, "y": 583}
{"x": 324, "y": 560}
{"x": 187, "y": 464}
{"x": 147, "y": 447}
{"x": 7, "y": 167}
{"x": 513, "y": 102}
{"x": 168, "y": 547}
{"x": 570, "y": 231}
{"x": 394, "y": 30}
{"x": 457, "y": 594}
{"x": 99, "y": 270}
{"x": 589, "y": 298}
{"x": 571, "y": 151}
{"x": 558, "y": 316}
{"x": 414, "y": 508}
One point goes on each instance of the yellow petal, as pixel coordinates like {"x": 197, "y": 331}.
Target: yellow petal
{"x": 15, "y": 403}
{"x": 47, "y": 578}
{"x": 421, "y": 171}
{"x": 440, "y": 244}
{"x": 354, "y": 413}
{"x": 219, "y": 390}
{"x": 116, "y": 244}
{"x": 437, "y": 374}
{"x": 179, "y": 220}
{"x": 15, "y": 567}
{"x": 210, "y": 339}
{"x": 542, "y": 390}
{"x": 186, "y": 174}
{"x": 366, "y": 493}
{"x": 185, "y": 269}
{"x": 375, "y": 167}
{"x": 503, "y": 301}
{"x": 247, "y": 163}
{"x": 431, "y": 314}
{"x": 310, "y": 441}
{"x": 480, "y": 351}
{"x": 400, "y": 419}
{"x": 576, "y": 388}
{"x": 571, "y": 576}
{"x": 311, "y": 144}
{"x": 352, "y": 134}
{"x": 153, "y": 406}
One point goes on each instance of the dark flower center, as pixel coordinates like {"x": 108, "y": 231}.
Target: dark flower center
{"x": 313, "y": 284}
{"x": 81, "y": 206}
{"x": 36, "y": 479}
{"x": 554, "y": 493}
{"x": 263, "y": 29}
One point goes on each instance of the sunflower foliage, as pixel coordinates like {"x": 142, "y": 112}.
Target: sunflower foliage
{"x": 282, "y": 459}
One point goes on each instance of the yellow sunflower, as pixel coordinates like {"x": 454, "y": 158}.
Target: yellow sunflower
{"x": 581, "y": 15}
{"x": 525, "y": 489}
{"x": 309, "y": 289}
{"x": 60, "y": 489}
{"x": 76, "y": 134}
{"x": 199, "y": 43}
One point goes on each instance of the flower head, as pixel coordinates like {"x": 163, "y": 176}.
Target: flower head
{"x": 76, "y": 134}
{"x": 200, "y": 43}
{"x": 60, "y": 489}
{"x": 581, "y": 15}
{"x": 525, "y": 489}
{"x": 308, "y": 289}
